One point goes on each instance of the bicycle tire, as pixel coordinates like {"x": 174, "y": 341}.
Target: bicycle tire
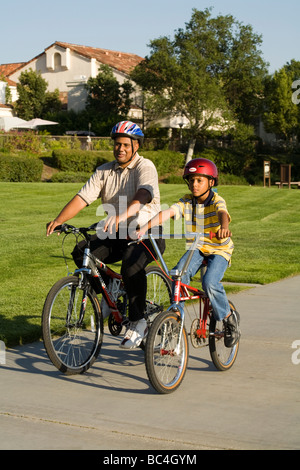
{"x": 71, "y": 347}
{"x": 166, "y": 368}
{"x": 222, "y": 357}
{"x": 159, "y": 292}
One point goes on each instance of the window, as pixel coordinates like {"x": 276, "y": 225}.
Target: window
{"x": 57, "y": 61}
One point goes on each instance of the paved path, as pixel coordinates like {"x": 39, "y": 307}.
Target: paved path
{"x": 255, "y": 405}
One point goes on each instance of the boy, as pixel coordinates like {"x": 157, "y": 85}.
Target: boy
{"x": 206, "y": 211}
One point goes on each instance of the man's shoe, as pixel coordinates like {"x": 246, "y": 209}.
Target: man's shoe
{"x": 135, "y": 334}
{"x": 232, "y": 330}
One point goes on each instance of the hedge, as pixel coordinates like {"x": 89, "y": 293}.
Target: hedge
{"x": 80, "y": 160}
{"x": 70, "y": 177}
{"x": 166, "y": 161}
{"x": 20, "y": 169}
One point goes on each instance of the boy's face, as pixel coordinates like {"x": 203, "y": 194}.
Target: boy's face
{"x": 199, "y": 185}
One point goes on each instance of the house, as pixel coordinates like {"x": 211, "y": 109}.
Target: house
{"x": 6, "y": 110}
{"x": 67, "y": 67}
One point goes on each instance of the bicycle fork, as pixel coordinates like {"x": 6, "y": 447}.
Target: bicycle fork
{"x": 177, "y": 308}
{"x": 82, "y": 285}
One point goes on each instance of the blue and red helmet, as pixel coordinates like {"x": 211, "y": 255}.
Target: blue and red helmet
{"x": 127, "y": 129}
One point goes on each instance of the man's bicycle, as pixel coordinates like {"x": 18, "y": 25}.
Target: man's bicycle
{"x": 72, "y": 318}
{"x": 167, "y": 346}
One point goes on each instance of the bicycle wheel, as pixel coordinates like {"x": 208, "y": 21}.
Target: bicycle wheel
{"x": 159, "y": 292}
{"x": 222, "y": 357}
{"x": 165, "y": 357}
{"x": 72, "y": 339}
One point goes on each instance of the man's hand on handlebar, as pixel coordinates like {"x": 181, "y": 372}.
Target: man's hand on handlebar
{"x": 51, "y": 226}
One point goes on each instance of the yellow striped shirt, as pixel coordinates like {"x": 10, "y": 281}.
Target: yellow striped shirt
{"x": 205, "y": 221}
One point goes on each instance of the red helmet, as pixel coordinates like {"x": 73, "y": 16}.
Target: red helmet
{"x": 201, "y": 166}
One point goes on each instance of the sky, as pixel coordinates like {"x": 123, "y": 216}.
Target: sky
{"x": 28, "y": 27}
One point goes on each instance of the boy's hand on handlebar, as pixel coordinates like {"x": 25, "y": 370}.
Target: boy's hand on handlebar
{"x": 223, "y": 233}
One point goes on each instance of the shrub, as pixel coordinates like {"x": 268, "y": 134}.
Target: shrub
{"x": 22, "y": 141}
{"x": 70, "y": 177}
{"x": 173, "y": 179}
{"x": 165, "y": 161}
{"x": 20, "y": 169}
{"x": 80, "y": 160}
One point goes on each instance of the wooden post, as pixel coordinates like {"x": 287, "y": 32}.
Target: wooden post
{"x": 286, "y": 174}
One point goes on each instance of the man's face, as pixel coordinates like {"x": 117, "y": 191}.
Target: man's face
{"x": 123, "y": 150}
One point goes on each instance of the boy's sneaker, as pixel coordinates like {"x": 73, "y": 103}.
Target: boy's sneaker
{"x": 135, "y": 334}
{"x": 232, "y": 329}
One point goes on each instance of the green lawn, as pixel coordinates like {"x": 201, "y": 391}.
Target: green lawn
{"x": 265, "y": 226}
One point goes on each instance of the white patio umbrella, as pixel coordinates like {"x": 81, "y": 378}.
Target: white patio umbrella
{"x": 11, "y": 122}
{"x": 36, "y": 122}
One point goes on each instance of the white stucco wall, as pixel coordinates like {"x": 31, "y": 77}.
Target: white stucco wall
{"x": 2, "y": 92}
{"x": 69, "y": 74}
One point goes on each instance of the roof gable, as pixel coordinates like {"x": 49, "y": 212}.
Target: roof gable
{"x": 122, "y": 61}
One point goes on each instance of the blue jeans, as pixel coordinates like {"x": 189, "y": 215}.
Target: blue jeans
{"x": 211, "y": 282}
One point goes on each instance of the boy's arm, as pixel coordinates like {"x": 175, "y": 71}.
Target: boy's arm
{"x": 158, "y": 219}
{"x": 223, "y": 231}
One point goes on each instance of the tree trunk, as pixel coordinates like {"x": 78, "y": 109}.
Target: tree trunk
{"x": 190, "y": 151}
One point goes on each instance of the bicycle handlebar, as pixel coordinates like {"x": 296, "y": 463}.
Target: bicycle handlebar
{"x": 175, "y": 236}
{"x": 67, "y": 228}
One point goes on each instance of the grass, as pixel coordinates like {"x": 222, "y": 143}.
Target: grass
{"x": 265, "y": 226}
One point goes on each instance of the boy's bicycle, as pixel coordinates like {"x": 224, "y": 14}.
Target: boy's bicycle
{"x": 72, "y": 319}
{"x": 167, "y": 348}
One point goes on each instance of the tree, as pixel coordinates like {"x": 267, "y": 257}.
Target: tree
{"x": 197, "y": 73}
{"x": 281, "y": 115}
{"x": 108, "y": 100}
{"x": 33, "y": 99}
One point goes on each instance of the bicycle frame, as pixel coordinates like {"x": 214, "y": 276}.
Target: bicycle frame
{"x": 92, "y": 266}
{"x": 183, "y": 292}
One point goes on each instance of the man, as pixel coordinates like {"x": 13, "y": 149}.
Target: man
{"x": 129, "y": 192}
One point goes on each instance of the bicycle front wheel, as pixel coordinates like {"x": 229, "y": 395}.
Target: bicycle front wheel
{"x": 166, "y": 353}
{"x": 159, "y": 293}
{"x": 72, "y": 326}
{"x": 222, "y": 357}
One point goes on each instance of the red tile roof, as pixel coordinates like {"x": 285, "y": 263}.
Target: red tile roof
{"x": 7, "y": 69}
{"x": 122, "y": 61}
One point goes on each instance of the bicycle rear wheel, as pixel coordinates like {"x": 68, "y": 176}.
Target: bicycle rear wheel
{"x": 72, "y": 339}
{"x": 165, "y": 357}
{"x": 222, "y": 357}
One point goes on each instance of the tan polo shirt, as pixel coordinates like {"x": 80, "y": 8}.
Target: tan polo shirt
{"x": 117, "y": 186}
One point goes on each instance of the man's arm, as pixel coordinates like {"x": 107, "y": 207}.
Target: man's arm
{"x": 69, "y": 211}
{"x": 141, "y": 197}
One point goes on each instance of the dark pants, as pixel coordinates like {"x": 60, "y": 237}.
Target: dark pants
{"x": 134, "y": 259}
